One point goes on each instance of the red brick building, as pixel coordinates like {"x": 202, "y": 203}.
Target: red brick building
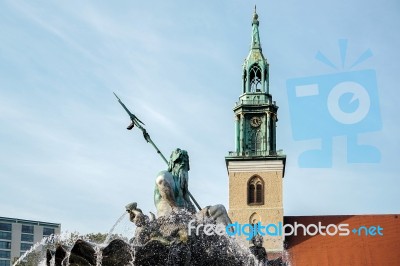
{"x": 354, "y": 249}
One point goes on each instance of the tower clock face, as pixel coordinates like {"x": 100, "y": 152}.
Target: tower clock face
{"x": 255, "y": 121}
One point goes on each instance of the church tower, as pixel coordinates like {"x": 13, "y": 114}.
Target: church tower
{"x": 256, "y": 168}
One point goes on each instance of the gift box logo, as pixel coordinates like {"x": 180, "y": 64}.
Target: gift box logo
{"x": 339, "y": 104}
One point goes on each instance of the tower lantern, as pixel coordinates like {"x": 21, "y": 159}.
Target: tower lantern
{"x": 255, "y": 67}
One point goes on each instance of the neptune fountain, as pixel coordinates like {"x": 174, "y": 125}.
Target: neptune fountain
{"x": 167, "y": 238}
{"x": 164, "y": 239}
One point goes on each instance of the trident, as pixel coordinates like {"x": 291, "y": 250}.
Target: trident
{"x": 136, "y": 122}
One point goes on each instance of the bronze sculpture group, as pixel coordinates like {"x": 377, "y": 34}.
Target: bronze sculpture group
{"x": 163, "y": 239}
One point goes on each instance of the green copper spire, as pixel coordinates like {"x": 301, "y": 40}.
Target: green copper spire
{"x": 255, "y": 66}
{"x": 255, "y": 112}
{"x": 255, "y": 39}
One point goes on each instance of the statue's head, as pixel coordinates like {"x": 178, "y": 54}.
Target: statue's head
{"x": 131, "y": 206}
{"x": 179, "y": 158}
{"x": 257, "y": 240}
{"x": 136, "y": 215}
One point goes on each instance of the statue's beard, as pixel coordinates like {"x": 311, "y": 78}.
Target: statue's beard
{"x": 180, "y": 171}
{"x": 183, "y": 173}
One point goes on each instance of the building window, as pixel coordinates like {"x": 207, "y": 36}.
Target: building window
{"x": 5, "y": 245}
{"x": 5, "y": 235}
{"x": 255, "y": 218}
{"x": 256, "y": 141}
{"x": 259, "y": 192}
{"x": 5, "y": 263}
{"x": 25, "y": 246}
{"x": 255, "y": 79}
{"x": 5, "y": 254}
{"x": 28, "y": 229}
{"x": 48, "y": 231}
{"x": 5, "y": 227}
{"x": 255, "y": 191}
{"x": 27, "y": 238}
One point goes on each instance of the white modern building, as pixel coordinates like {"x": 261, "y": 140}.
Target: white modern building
{"x": 18, "y": 236}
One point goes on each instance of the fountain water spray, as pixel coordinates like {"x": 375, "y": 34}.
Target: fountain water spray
{"x": 113, "y": 228}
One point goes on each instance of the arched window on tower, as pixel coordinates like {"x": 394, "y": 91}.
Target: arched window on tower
{"x": 254, "y": 218}
{"x": 251, "y": 194}
{"x": 256, "y": 141}
{"x": 255, "y": 191}
{"x": 255, "y": 79}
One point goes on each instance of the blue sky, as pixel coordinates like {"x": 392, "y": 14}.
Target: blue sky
{"x": 65, "y": 155}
